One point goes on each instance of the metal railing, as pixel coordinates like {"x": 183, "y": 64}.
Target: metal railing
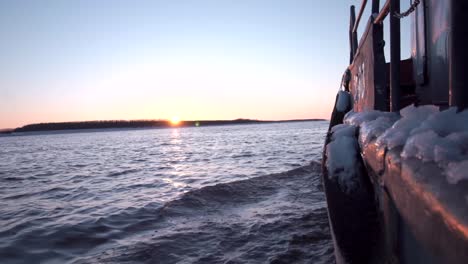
{"x": 458, "y": 55}
{"x": 383, "y": 13}
{"x": 358, "y": 19}
{"x": 390, "y": 7}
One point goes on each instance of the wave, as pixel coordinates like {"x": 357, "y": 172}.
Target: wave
{"x": 277, "y": 218}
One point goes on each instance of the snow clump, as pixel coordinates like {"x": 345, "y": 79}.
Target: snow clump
{"x": 371, "y": 124}
{"x": 442, "y": 138}
{"x": 342, "y": 157}
{"x": 411, "y": 118}
{"x": 423, "y": 132}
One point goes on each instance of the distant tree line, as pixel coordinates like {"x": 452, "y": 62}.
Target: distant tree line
{"x": 91, "y": 125}
{"x": 136, "y": 124}
{"x": 123, "y": 124}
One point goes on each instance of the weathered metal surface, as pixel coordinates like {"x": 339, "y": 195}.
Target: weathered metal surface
{"x": 368, "y": 77}
{"x": 458, "y": 76}
{"x": 433, "y": 214}
{"x": 418, "y": 44}
{"x": 437, "y": 26}
{"x": 375, "y": 159}
{"x": 407, "y": 84}
{"x": 434, "y": 210}
{"x": 352, "y": 35}
{"x": 395, "y": 56}
{"x": 424, "y": 218}
{"x": 381, "y": 89}
{"x": 375, "y": 6}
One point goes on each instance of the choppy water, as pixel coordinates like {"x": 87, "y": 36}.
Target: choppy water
{"x": 227, "y": 194}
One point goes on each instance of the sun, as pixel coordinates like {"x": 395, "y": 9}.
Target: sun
{"x": 175, "y": 120}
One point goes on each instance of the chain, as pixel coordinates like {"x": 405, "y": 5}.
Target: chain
{"x": 410, "y": 9}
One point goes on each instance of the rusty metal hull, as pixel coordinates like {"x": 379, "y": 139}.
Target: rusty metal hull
{"x": 421, "y": 217}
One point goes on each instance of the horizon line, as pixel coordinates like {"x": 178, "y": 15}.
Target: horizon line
{"x": 161, "y": 121}
{"x": 158, "y": 120}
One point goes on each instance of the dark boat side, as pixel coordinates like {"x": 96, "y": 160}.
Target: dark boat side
{"x": 389, "y": 206}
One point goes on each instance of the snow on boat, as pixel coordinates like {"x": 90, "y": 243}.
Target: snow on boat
{"x": 395, "y": 162}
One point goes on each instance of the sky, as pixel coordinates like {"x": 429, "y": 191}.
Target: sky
{"x": 197, "y": 60}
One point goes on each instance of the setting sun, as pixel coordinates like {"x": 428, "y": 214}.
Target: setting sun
{"x": 175, "y": 120}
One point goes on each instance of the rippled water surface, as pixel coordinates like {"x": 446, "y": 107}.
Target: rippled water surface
{"x": 225, "y": 194}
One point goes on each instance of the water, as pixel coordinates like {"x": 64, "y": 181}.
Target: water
{"x": 226, "y": 194}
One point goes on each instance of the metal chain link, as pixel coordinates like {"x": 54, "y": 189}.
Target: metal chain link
{"x": 410, "y": 9}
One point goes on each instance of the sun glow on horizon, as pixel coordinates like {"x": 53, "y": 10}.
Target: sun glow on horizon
{"x": 175, "y": 120}
{"x": 158, "y": 61}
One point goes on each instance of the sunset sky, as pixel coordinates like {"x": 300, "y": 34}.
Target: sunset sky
{"x": 205, "y": 59}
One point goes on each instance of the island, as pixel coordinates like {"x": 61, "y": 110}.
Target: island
{"x": 117, "y": 124}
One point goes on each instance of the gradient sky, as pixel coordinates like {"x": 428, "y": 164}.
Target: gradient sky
{"x": 196, "y": 59}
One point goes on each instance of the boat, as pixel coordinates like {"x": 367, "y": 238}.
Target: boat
{"x": 395, "y": 160}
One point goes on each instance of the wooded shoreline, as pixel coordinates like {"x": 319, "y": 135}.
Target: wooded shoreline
{"x": 105, "y": 124}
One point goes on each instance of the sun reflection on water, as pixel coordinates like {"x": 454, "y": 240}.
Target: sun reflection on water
{"x": 174, "y": 183}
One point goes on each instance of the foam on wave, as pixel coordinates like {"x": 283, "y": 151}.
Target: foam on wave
{"x": 277, "y": 218}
